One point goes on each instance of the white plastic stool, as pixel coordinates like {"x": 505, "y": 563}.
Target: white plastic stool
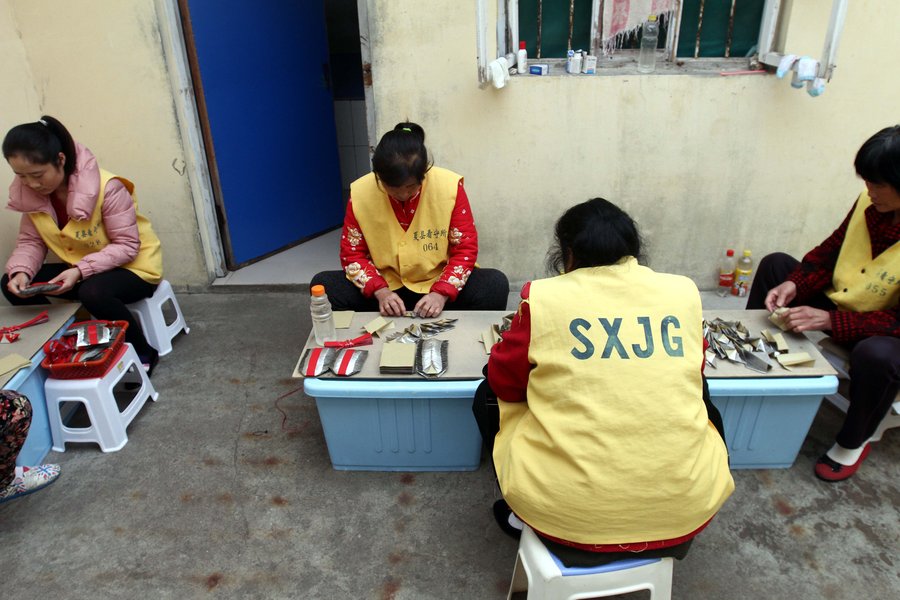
{"x": 149, "y": 312}
{"x": 544, "y": 577}
{"x": 108, "y": 425}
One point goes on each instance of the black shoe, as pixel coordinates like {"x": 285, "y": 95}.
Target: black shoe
{"x": 501, "y": 514}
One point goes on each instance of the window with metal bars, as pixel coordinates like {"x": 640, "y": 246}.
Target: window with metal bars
{"x": 697, "y": 29}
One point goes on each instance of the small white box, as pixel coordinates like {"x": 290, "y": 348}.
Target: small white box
{"x": 589, "y": 66}
{"x": 539, "y": 69}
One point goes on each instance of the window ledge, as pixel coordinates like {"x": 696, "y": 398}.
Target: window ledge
{"x": 619, "y": 66}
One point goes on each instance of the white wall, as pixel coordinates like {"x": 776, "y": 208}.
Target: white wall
{"x": 98, "y": 66}
{"x": 702, "y": 162}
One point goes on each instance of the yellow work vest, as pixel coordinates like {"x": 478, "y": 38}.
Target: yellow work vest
{"x": 861, "y": 283}
{"x": 613, "y": 444}
{"x": 77, "y": 239}
{"x": 414, "y": 258}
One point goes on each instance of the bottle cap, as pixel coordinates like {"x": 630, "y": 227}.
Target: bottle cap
{"x": 730, "y": 252}
{"x": 522, "y": 45}
{"x": 651, "y": 18}
{"x": 317, "y": 290}
{"x": 747, "y": 253}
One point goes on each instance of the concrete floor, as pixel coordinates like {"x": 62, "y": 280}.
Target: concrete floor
{"x": 225, "y": 490}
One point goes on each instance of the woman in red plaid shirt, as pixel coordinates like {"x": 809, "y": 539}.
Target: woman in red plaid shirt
{"x": 849, "y": 286}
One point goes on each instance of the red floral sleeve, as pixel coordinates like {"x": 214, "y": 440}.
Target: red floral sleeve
{"x": 355, "y": 258}
{"x": 462, "y": 250}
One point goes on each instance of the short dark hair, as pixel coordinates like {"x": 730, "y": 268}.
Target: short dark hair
{"x": 878, "y": 160}
{"x": 401, "y": 155}
{"x": 40, "y": 143}
{"x": 595, "y": 233}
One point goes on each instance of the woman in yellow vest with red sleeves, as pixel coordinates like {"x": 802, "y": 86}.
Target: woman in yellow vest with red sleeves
{"x": 88, "y": 217}
{"x": 849, "y": 286}
{"x": 409, "y": 241}
{"x": 608, "y": 446}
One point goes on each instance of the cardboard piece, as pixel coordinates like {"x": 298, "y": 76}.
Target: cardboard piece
{"x": 378, "y": 325}
{"x": 796, "y": 359}
{"x": 342, "y": 319}
{"x": 397, "y": 358}
{"x": 12, "y": 363}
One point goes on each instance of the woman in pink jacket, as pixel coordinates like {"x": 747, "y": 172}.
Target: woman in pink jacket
{"x": 88, "y": 218}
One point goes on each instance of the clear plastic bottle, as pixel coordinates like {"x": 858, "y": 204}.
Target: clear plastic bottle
{"x": 322, "y": 318}
{"x": 649, "y": 41}
{"x": 726, "y": 273}
{"x": 743, "y": 275}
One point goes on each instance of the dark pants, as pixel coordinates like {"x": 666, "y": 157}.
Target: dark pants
{"x": 487, "y": 415}
{"x": 486, "y": 289}
{"x": 15, "y": 419}
{"x": 104, "y": 295}
{"x": 874, "y": 361}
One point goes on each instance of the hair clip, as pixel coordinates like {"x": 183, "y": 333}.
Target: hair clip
{"x": 42, "y": 122}
{"x": 407, "y": 129}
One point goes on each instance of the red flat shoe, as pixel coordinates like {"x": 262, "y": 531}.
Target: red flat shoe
{"x": 829, "y": 470}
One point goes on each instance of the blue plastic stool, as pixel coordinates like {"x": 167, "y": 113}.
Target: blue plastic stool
{"x": 544, "y": 577}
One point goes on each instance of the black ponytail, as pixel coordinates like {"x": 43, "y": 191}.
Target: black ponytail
{"x": 401, "y": 155}
{"x": 40, "y": 143}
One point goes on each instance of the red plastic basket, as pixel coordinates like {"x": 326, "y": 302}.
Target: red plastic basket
{"x": 90, "y": 368}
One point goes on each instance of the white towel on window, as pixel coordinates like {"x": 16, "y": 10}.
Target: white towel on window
{"x": 623, "y": 18}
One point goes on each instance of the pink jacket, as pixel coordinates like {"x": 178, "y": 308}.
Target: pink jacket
{"x": 119, "y": 220}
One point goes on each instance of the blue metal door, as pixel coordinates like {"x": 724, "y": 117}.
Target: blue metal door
{"x": 270, "y": 113}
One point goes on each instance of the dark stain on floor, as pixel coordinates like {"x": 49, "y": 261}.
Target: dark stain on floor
{"x": 279, "y": 501}
{"x": 783, "y": 507}
{"x": 390, "y": 588}
{"x": 407, "y": 479}
{"x": 405, "y": 499}
{"x": 214, "y": 580}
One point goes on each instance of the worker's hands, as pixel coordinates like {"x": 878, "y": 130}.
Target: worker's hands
{"x": 67, "y": 279}
{"x": 431, "y": 304}
{"x": 806, "y": 318}
{"x": 781, "y": 295}
{"x": 389, "y": 303}
{"x": 17, "y": 283}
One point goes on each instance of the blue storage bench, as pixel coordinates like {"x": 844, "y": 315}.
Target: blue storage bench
{"x": 767, "y": 419}
{"x": 410, "y": 425}
{"x": 30, "y": 380}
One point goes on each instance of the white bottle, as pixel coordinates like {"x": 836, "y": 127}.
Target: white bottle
{"x": 726, "y": 273}
{"x": 322, "y": 318}
{"x": 649, "y": 40}
{"x": 522, "y": 59}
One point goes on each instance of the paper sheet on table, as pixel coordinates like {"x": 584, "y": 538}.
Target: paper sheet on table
{"x": 342, "y": 318}
{"x": 796, "y": 359}
{"x": 12, "y": 363}
{"x": 378, "y": 325}
{"x": 397, "y": 358}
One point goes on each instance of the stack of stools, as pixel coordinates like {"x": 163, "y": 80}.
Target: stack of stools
{"x": 98, "y": 395}
{"x": 544, "y": 577}
{"x": 150, "y": 312}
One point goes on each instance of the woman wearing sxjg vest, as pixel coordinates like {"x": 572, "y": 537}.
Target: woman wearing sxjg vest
{"x": 849, "y": 286}
{"x": 88, "y": 218}
{"x": 409, "y": 241}
{"x": 608, "y": 446}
